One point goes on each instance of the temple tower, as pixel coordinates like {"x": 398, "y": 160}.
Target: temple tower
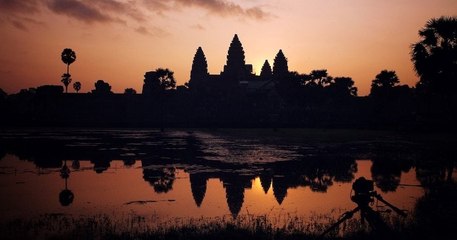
{"x": 280, "y": 68}
{"x": 199, "y": 72}
{"x": 235, "y": 70}
{"x": 266, "y": 73}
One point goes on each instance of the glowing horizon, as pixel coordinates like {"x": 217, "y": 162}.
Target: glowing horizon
{"x": 118, "y": 41}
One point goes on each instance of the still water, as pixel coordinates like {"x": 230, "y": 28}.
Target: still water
{"x": 192, "y": 174}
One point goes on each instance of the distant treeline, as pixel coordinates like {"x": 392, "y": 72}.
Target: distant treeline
{"x": 396, "y": 108}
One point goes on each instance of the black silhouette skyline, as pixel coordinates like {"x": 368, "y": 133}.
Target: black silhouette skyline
{"x": 238, "y": 98}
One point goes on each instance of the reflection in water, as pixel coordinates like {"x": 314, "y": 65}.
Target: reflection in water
{"x": 66, "y": 196}
{"x": 160, "y": 179}
{"x": 386, "y": 170}
{"x": 182, "y": 166}
{"x": 198, "y": 186}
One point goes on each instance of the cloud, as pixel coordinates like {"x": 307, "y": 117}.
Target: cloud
{"x": 226, "y": 8}
{"x": 152, "y": 31}
{"x": 11, "y": 12}
{"x": 19, "y": 13}
{"x": 158, "y": 6}
{"x": 78, "y": 10}
{"x": 128, "y": 8}
{"x": 19, "y": 6}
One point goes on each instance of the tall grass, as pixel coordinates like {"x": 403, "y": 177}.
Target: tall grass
{"x": 283, "y": 226}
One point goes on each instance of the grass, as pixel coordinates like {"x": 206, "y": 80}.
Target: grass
{"x": 287, "y": 226}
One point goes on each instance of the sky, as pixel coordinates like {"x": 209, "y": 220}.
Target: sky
{"x": 119, "y": 40}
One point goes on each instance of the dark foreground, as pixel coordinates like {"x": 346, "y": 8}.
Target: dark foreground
{"x": 434, "y": 218}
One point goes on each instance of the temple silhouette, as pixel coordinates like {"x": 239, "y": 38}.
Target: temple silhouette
{"x": 236, "y": 74}
{"x": 236, "y": 97}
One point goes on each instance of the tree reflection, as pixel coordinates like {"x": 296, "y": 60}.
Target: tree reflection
{"x": 386, "y": 170}
{"x": 66, "y": 196}
{"x": 435, "y": 168}
{"x": 161, "y": 179}
{"x": 101, "y": 164}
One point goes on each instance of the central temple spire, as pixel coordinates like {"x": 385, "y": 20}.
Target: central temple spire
{"x": 235, "y": 69}
{"x": 235, "y": 56}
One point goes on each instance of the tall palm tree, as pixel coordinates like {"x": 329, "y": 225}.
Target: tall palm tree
{"x": 68, "y": 56}
{"x": 435, "y": 56}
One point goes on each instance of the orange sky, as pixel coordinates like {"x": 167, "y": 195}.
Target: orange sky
{"x": 118, "y": 41}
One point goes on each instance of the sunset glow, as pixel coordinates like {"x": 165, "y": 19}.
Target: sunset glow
{"x": 118, "y": 41}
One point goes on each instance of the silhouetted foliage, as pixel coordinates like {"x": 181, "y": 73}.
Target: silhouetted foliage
{"x": 3, "y": 94}
{"x": 391, "y": 102}
{"x": 49, "y": 90}
{"x": 343, "y": 87}
{"x": 102, "y": 88}
{"x": 66, "y": 197}
{"x": 66, "y": 80}
{"x": 130, "y": 91}
{"x": 385, "y": 80}
{"x": 319, "y": 78}
{"x": 435, "y": 56}
{"x": 158, "y": 81}
{"x": 68, "y": 56}
{"x": 77, "y": 86}
{"x": 160, "y": 179}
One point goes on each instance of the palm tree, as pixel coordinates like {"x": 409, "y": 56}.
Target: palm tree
{"x": 68, "y": 57}
{"x": 66, "y": 80}
{"x": 385, "y": 79}
{"x": 77, "y": 86}
{"x": 435, "y": 56}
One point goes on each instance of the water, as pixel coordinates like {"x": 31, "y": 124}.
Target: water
{"x": 191, "y": 174}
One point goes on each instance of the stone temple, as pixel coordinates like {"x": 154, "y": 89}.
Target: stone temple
{"x": 237, "y": 75}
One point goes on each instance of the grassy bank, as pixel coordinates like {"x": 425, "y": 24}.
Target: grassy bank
{"x": 58, "y": 226}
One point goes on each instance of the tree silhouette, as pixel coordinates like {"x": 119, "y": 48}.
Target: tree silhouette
{"x": 159, "y": 80}
{"x": 384, "y": 81}
{"x": 3, "y": 94}
{"x": 68, "y": 56}
{"x": 319, "y": 78}
{"x": 66, "y": 80}
{"x": 343, "y": 87}
{"x": 130, "y": 91}
{"x": 77, "y": 86}
{"x": 435, "y": 56}
{"x": 102, "y": 87}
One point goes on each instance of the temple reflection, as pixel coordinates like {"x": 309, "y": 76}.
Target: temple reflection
{"x": 198, "y": 183}
{"x": 235, "y": 164}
